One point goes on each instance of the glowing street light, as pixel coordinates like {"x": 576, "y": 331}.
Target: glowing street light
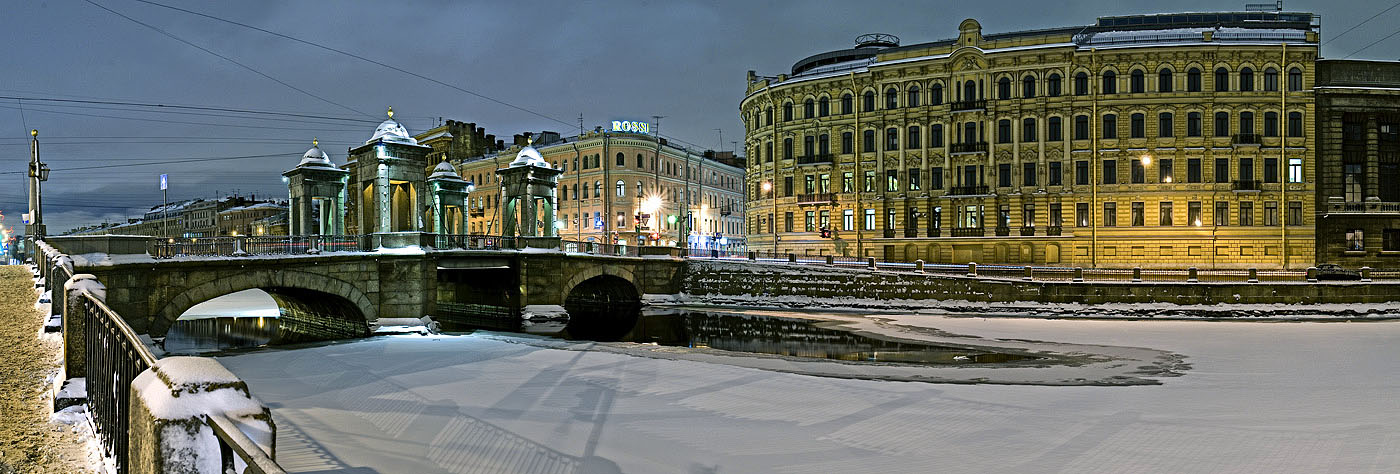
{"x": 1146, "y": 160}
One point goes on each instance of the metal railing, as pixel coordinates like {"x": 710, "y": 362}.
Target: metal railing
{"x": 970, "y": 147}
{"x": 958, "y": 105}
{"x": 254, "y": 245}
{"x": 968, "y": 190}
{"x": 1363, "y": 208}
{"x": 113, "y": 353}
{"x": 821, "y": 159}
{"x": 969, "y": 231}
{"x": 1247, "y": 185}
{"x": 816, "y": 198}
{"x": 1247, "y": 139}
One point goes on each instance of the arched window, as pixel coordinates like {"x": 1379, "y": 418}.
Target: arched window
{"x": 809, "y": 109}
{"x": 1164, "y": 80}
{"x": 1271, "y": 80}
{"x": 1295, "y": 124}
{"x": 1222, "y": 124}
{"x": 621, "y": 188}
{"x": 1271, "y": 124}
{"x": 639, "y": 161}
{"x": 639, "y": 189}
{"x": 868, "y": 102}
{"x": 1054, "y": 130}
{"x": 1246, "y": 123}
{"x": 1052, "y": 85}
{"x": 1137, "y": 82}
{"x": 1193, "y": 124}
{"x": 913, "y": 99}
{"x": 597, "y": 189}
{"x": 787, "y": 112}
{"x": 891, "y": 99}
{"x": 969, "y": 91}
{"x": 1028, "y": 130}
{"x": 935, "y": 94}
{"x": 621, "y": 161}
{"x": 1110, "y": 82}
{"x": 1028, "y": 87}
{"x": 891, "y": 139}
{"x": 1222, "y": 79}
{"x": 1295, "y": 79}
{"x": 1246, "y": 80}
{"x": 1081, "y": 83}
{"x": 1137, "y": 125}
{"x": 768, "y": 114}
{"x": 847, "y": 105}
{"x": 824, "y": 107}
{"x": 1193, "y": 80}
{"x": 1003, "y": 88}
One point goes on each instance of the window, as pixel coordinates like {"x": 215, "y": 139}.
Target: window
{"x": 1222, "y": 80}
{"x": 809, "y": 221}
{"x": 1222, "y": 213}
{"x": 1081, "y": 127}
{"x": 846, "y": 103}
{"x": 1193, "y": 170}
{"x": 1295, "y": 170}
{"x": 935, "y": 135}
{"x": 1193, "y": 80}
{"x": 1164, "y": 213}
{"x": 1164, "y": 170}
{"x": 971, "y": 217}
{"x": 768, "y": 152}
{"x": 891, "y": 139}
{"x": 1165, "y": 128}
{"x": 1028, "y": 215}
{"x": 869, "y": 219}
{"x": 809, "y": 109}
{"x": 1053, "y": 174}
{"x": 1271, "y": 80}
{"x": 1193, "y": 213}
{"x": 848, "y": 182}
{"x": 1271, "y": 213}
{"x": 1390, "y": 238}
{"x": 1295, "y": 79}
{"x": 787, "y": 222}
{"x": 891, "y": 99}
{"x": 824, "y": 144}
{"x": 787, "y": 186}
{"x": 1271, "y": 124}
{"x": 1003, "y": 131}
{"x": 1110, "y": 214}
{"x": 1028, "y": 87}
{"x": 597, "y": 189}
{"x": 913, "y": 97}
{"x": 1110, "y": 171}
{"x": 935, "y": 178}
{"x": 1295, "y": 213}
{"x": 787, "y": 112}
{"x": 1138, "y": 214}
{"x": 1222, "y": 170}
{"x": 1004, "y": 175}
{"x": 1246, "y": 168}
{"x": 913, "y": 179}
{"x": 1110, "y": 126}
{"x": 868, "y": 102}
{"x": 1004, "y": 88}
{"x": 1139, "y": 172}
{"x": 1081, "y": 173}
{"x": 869, "y": 141}
{"x": 1193, "y": 124}
{"x": 1222, "y": 124}
{"x": 1295, "y": 124}
{"x": 639, "y": 189}
{"x": 1137, "y": 125}
{"x": 848, "y": 219}
{"x": 621, "y": 160}
{"x": 1247, "y": 123}
{"x": 1028, "y": 130}
{"x": 1054, "y": 130}
{"x": 891, "y": 180}
{"x": 1110, "y": 83}
{"x": 915, "y": 141}
{"x": 1028, "y": 174}
{"x": 1081, "y": 84}
{"x": 1246, "y": 213}
{"x": 1352, "y": 181}
{"x": 1246, "y": 80}
{"x": 1356, "y": 240}
{"x": 846, "y": 146}
{"x": 621, "y": 188}
{"x": 768, "y": 114}
{"x": 869, "y": 184}
{"x": 1271, "y": 170}
{"x": 935, "y": 94}
{"x": 639, "y": 161}
{"x": 824, "y": 106}
{"x": 1137, "y": 82}
{"x": 810, "y": 184}
{"x": 1164, "y": 80}
{"x": 1052, "y": 85}
{"x": 787, "y": 148}
{"x": 1081, "y": 214}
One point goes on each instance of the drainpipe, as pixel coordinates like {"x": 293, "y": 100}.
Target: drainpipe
{"x": 1283, "y": 157}
{"x": 1094, "y": 163}
{"x": 856, "y": 177}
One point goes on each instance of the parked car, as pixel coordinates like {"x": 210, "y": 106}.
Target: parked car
{"x": 1332, "y": 271}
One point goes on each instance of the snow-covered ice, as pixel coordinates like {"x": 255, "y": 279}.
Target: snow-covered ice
{"x": 1258, "y": 397}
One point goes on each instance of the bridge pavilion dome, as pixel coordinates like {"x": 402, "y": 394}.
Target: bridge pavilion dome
{"x": 444, "y": 170}
{"x": 391, "y": 131}
{"x": 529, "y": 156}
{"x": 315, "y": 157}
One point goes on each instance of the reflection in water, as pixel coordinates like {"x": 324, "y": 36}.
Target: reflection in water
{"x": 193, "y": 336}
{"x": 759, "y": 334}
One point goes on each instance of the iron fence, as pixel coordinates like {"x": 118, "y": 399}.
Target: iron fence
{"x": 114, "y": 357}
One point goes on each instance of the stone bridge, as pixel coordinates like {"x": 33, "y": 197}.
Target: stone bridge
{"x": 337, "y": 294}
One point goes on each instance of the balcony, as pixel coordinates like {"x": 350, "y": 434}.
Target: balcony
{"x": 477, "y": 212}
{"x": 1247, "y": 185}
{"x": 971, "y": 147}
{"x": 961, "y": 105}
{"x": 1053, "y": 230}
{"x": 1003, "y": 231}
{"x": 816, "y": 198}
{"x": 1373, "y": 207}
{"x": 1247, "y": 139}
{"x": 968, "y": 191}
{"x": 1027, "y": 231}
{"x": 969, "y": 231}
{"x": 822, "y": 159}
{"x": 935, "y": 232}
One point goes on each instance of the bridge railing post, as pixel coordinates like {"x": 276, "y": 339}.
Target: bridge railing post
{"x": 238, "y": 247}
{"x": 753, "y": 255}
{"x": 1192, "y": 274}
{"x": 1026, "y": 273}
{"x": 919, "y": 266}
{"x": 870, "y": 262}
{"x": 1365, "y": 273}
{"x": 972, "y": 269}
{"x": 1078, "y": 273}
{"x": 1312, "y": 274}
{"x": 792, "y": 258}
{"x": 1137, "y": 274}
{"x": 1254, "y": 275}
{"x": 830, "y": 260}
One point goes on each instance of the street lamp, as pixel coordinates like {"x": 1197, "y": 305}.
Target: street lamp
{"x": 768, "y": 189}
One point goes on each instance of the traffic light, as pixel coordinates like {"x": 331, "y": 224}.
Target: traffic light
{"x": 826, "y": 232}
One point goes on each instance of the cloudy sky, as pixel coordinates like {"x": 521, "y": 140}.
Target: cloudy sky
{"x": 512, "y": 66}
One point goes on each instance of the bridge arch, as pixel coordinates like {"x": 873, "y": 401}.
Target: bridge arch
{"x": 594, "y": 271}
{"x": 602, "y": 305}
{"x": 274, "y": 280}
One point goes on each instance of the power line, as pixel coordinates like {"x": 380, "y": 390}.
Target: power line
{"x": 187, "y": 107}
{"x": 1373, "y": 43}
{"x": 226, "y": 58}
{"x": 181, "y": 122}
{"x": 1358, "y": 25}
{"x": 164, "y": 162}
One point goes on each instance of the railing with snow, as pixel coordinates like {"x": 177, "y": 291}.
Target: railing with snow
{"x": 254, "y": 245}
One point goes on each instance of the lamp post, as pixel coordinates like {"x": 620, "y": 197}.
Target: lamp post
{"x": 768, "y": 189}
{"x": 38, "y": 173}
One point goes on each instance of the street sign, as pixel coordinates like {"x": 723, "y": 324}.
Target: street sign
{"x": 163, "y": 185}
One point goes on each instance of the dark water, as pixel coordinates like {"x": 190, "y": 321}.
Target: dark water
{"x": 193, "y": 336}
{"x": 757, "y": 334}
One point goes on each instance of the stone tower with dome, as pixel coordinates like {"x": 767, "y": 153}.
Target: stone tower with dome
{"x": 317, "y": 190}
{"x": 386, "y": 190}
{"x": 529, "y": 202}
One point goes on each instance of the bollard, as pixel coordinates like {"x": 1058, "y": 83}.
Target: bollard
{"x": 870, "y": 262}
{"x": 753, "y": 255}
{"x": 313, "y": 246}
{"x": 1078, "y": 273}
{"x": 1026, "y": 275}
{"x": 1137, "y": 274}
{"x": 1254, "y": 275}
{"x": 830, "y": 260}
{"x": 238, "y": 247}
{"x": 1312, "y": 274}
{"x": 1191, "y": 275}
{"x": 792, "y": 258}
{"x": 918, "y": 266}
{"x": 972, "y": 269}
{"x": 1365, "y": 273}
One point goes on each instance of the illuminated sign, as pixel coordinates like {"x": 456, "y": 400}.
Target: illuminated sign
{"x": 630, "y": 126}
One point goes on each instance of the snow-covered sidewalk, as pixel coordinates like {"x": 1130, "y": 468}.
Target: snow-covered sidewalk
{"x": 1259, "y": 397}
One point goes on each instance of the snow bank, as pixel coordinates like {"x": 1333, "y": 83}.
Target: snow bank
{"x": 424, "y": 326}
{"x": 540, "y": 312}
{"x": 178, "y": 394}
{"x": 409, "y": 250}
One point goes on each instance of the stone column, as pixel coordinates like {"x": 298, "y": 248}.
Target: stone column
{"x": 168, "y": 420}
{"x": 74, "y": 341}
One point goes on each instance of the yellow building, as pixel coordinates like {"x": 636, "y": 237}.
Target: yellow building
{"x": 1167, "y": 140}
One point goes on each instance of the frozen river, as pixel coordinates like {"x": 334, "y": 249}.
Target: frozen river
{"x": 1250, "y": 397}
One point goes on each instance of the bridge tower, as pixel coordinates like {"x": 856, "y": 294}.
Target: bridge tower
{"x": 529, "y": 183}
{"x": 449, "y": 199}
{"x": 317, "y": 187}
{"x": 387, "y": 180}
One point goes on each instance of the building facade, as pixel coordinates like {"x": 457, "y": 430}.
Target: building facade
{"x": 1358, "y": 155}
{"x": 618, "y": 187}
{"x": 1148, "y": 140}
